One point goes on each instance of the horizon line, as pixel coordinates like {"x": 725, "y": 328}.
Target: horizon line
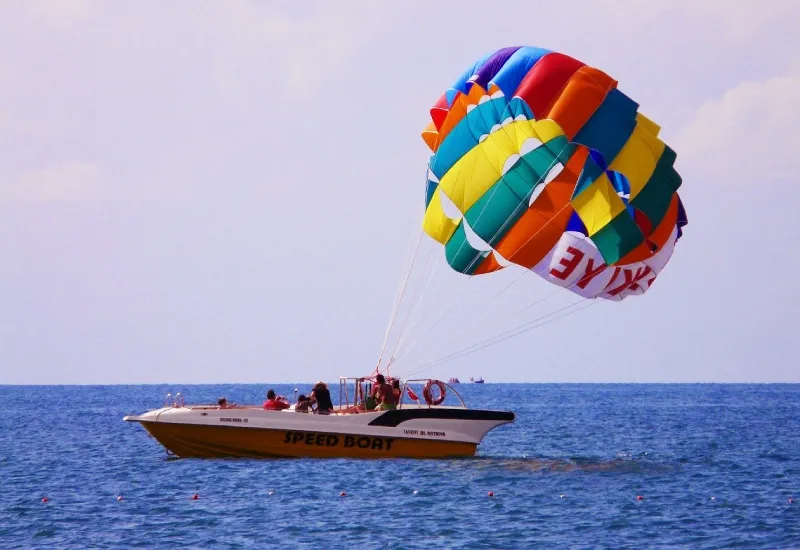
{"x": 685, "y": 383}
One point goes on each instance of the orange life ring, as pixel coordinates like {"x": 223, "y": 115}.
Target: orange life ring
{"x": 426, "y": 392}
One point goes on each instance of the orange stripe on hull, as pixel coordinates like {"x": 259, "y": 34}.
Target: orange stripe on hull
{"x": 199, "y": 441}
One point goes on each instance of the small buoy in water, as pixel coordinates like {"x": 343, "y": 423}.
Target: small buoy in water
{"x": 790, "y": 501}
{"x": 195, "y": 496}
{"x": 491, "y": 493}
{"x": 713, "y": 498}
{"x": 342, "y": 494}
{"x": 639, "y": 497}
{"x": 44, "y": 499}
{"x": 119, "y": 498}
{"x": 562, "y": 496}
{"x": 416, "y": 492}
{"x": 271, "y": 493}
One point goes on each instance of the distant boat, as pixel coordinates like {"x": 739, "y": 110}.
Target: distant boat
{"x": 478, "y": 380}
{"x": 454, "y": 381}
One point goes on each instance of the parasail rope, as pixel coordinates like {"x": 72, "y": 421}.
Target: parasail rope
{"x": 546, "y": 173}
{"x": 399, "y": 296}
{"x": 505, "y": 336}
{"x": 499, "y": 230}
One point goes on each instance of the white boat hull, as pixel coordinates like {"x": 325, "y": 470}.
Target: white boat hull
{"x": 411, "y": 431}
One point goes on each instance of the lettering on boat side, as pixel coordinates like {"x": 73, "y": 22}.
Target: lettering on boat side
{"x": 424, "y": 432}
{"x": 331, "y": 440}
{"x": 229, "y": 419}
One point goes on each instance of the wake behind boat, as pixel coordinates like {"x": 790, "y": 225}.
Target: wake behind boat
{"x": 424, "y": 429}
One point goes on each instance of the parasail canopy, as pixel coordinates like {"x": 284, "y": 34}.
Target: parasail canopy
{"x": 540, "y": 160}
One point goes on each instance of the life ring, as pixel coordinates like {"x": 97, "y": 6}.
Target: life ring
{"x": 426, "y": 392}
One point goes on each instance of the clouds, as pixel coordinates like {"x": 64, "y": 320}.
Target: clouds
{"x": 751, "y": 133}
{"x": 242, "y": 176}
{"x": 70, "y": 181}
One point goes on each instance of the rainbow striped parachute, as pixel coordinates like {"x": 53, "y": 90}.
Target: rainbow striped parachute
{"x": 540, "y": 161}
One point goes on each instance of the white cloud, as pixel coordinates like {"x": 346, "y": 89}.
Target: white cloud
{"x": 739, "y": 20}
{"x": 82, "y": 181}
{"x": 751, "y": 132}
{"x": 721, "y": 19}
{"x": 63, "y": 12}
{"x": 307, "y": 47}
{"x": 69, "y": 181}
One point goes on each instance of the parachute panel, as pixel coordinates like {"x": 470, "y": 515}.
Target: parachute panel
{"x": 580, "y": 98}
{"x": 509, "y": 120}
{"x": 436, "y": 224}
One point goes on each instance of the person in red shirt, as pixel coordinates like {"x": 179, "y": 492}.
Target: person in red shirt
{"x": 275, "y": 403}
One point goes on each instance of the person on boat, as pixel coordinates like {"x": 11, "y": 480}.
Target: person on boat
{"x": 303, "y": 403}
{"x": 223, "y": 403}
{"x": 275, "y": 403}
{"x": 322, "y": 397}
{"x": 396, "y": 390}
{"x": 383, "y": 394}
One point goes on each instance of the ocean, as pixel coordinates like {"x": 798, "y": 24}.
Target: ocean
{"x": 583, "y": 466}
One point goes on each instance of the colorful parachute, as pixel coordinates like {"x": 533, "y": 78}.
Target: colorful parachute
{"x": 540, "y": 161}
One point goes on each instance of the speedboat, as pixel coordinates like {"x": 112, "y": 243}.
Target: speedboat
{"x": 423, "y": 429}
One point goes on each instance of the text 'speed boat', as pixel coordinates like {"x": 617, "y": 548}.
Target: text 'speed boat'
{"x": 411, "y": 430}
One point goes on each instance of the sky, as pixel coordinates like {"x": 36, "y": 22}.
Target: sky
{"x": 226, "y": 192}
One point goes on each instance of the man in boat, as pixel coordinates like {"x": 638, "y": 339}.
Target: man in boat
{"x": 383, "y": 394}
{"x": 275, "y": 403}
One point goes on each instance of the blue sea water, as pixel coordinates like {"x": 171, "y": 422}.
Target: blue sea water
{"x": 716, "y": 466}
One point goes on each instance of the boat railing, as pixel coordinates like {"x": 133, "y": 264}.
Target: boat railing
{"x": 361, "y": 388}
{"x": 424, "y": 382}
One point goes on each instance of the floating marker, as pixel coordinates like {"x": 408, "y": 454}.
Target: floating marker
{"x": 790, "y": 501}
{"x": 195, "y": 496}
{"x": 119, "y": 498}
{"x": 44, "y": 499}
{"x": 562, "y": 496}
{"x": 342, "y": 494}
{"x": 713, "y": 498}
{"x": 416, "y": 492}
{"x": 491, "y": 493}
{"x": 639, "y": 497}
{"x": 271, "y": 493}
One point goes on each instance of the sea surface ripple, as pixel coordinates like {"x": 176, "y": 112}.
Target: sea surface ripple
{"x": 717, "y": 466}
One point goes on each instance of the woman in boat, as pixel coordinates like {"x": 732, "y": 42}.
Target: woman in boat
{"x": 396, "y": 391}
{"x": 303, "y": 404}
{"x": 383, "y": 394}
{"x": 322, "y": 397}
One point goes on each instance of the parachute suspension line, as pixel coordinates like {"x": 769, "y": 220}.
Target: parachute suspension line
{"x": 412, "y": 307}
{"x": 492, "y": 302}
{"x": 417, "y": 310}
{"x": 500, "y": 337}
{"x": 480, "y": 214}
{"x": 496, "y": 340}
{"x": 401, "y": 292}
{"x": 399, "y": 298}
{"x": 439, "y": 297}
